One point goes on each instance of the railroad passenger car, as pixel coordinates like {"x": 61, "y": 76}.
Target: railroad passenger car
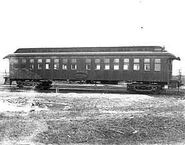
{"x": 145, "y": 68}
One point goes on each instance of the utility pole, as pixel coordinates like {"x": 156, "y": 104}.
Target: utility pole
{"x": 180, "y": 75}
{"x": 179, "y": 79}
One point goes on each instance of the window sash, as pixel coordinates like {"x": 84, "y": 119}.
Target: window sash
{"x": 126, "y": 60}
{"x": 107, "y": 67}
{"x": 64, "y": 66}
{"x": 56, "y": 60}
{"x": 23, "y": 60}
{"x": 146, "y": 60}
{"x": 48, "y": 66}
{"x": 14, "y": 60}
{"x": 48, "y": 60}
{"x": 147, "y": 67}
{"x": 116, "y": 60}
{"x": 40, "y": 66}
{"x": 88, "y": 60}
{"x": 73, "y": 67}
{"x": 116, "y": 66}
{"x": 31, "y": 60}
{"x": 157, "y": 60}
{"x": 39, "y": 60}
{"x": 97, "y": 67}
{"x": 97, "y": 60}
{"x": 126, "y": 66}
{"x": 136, "y": 66}
{"x": 56, "y": 66}
{"x": 136, "y": 60}
{"x": 87, "y": 66}
{"x": 106, "y": 60}
{"x": 157, "y": 67}
{"x": 73, "y": 60}
{"x": 64, "y": 60}
{"x": 31, "y": 66}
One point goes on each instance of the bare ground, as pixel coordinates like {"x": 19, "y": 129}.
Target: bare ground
{"x": 31, "y": 118}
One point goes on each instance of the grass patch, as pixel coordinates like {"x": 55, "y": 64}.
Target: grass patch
{"x": 92, "y": 119}
{"x": 15, "y": 129}
{"x": 145, "y": 129}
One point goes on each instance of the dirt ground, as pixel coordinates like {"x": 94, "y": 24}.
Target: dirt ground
{"x": 32, "y": 118}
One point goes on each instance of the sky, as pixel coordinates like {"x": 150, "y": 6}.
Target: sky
{"x": 75, "y": 23}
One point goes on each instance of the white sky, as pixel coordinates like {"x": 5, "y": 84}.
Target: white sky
{"x": 69, "y": 23}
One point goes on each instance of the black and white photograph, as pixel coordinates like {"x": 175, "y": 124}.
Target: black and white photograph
{"x": 92, "y": 72}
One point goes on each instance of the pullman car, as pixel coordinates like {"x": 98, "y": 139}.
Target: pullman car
{"x": 144, "y": 68}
